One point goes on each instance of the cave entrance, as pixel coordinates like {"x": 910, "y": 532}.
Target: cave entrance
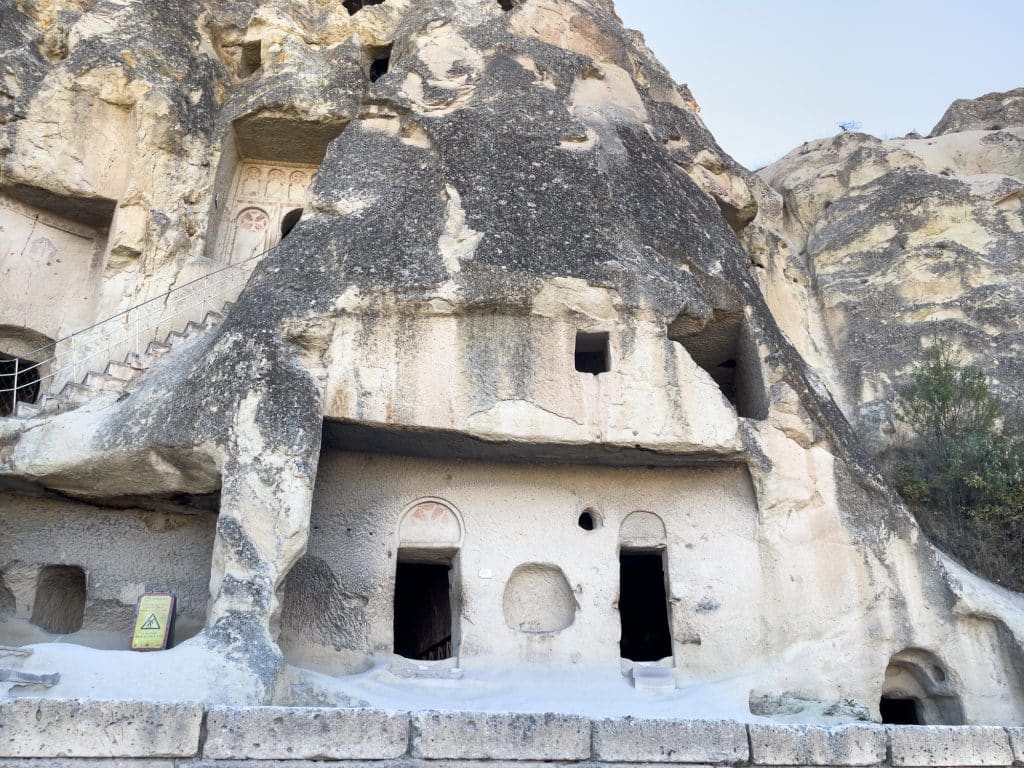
{"x": 378, "y": 58}
{"x": 19, "y": 382}
{"x": 643, "y": 606}
{"x": 289, "y": 221}
{"x": 899, "y": 711}
{"x": 59, "y": 605}
{"x": 917, "y": 690}
{"x": 423, "y": 609}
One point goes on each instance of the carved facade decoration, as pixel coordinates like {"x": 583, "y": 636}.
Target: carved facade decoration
{"x": 261, "y": 196}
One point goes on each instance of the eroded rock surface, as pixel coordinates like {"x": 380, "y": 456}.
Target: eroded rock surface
{"x": 892, "y": 245}
{"x": 519, "y": 249}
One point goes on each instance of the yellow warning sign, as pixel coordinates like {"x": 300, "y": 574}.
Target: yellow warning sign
{"x": 154, "y": 616}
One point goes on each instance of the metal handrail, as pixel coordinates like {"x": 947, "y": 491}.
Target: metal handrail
{"x": 132, "y": 327}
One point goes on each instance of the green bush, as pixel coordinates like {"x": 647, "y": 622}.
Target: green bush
{"x": 962, "y": 470}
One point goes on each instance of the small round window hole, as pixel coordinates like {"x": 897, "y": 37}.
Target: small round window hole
{"x": 588, "y": 520}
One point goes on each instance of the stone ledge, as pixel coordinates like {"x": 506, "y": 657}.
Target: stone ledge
{"x": 790, "y": 745}
{"x": 709, "y": 742}
{"x": 938, "y": 746}
{"x": 286, "y": 733}
{"x": 47, "y": 733}
{"x": 109, "y": 729}
{"x": 469, "y": 736}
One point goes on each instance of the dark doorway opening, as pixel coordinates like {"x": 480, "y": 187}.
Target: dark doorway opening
{"x": 380, "y": 62}
{"x": 899, "y": 711}
{"x": 19, "y": 382}
{"x": 587, "y": 521}
{"x": 592, "y": 353}
{"x": 59, "y": 606}
{"x": 643, "y": 607}
{"x": 289, "y": 221}
{"x": 423, "y": 611}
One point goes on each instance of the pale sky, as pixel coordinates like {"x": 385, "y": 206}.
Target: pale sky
{"x": 771, "y": 74}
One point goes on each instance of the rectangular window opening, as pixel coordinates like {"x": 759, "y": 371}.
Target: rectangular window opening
{"x": 643, "y": 607}
{"x": 592, "y": 355}
{"x": 423, "y": 610}
{"x": 252, "y": 57}
{"x": 899, "y": 711}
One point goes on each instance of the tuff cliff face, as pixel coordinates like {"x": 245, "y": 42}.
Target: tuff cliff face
{"x": 495, "y": 320}
{"x": 895, "y": 244}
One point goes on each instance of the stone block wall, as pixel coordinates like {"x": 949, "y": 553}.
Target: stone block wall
{"x": 69, "y": 733}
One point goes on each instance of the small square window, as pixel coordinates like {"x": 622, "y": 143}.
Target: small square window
{"x": 592, "y": 355}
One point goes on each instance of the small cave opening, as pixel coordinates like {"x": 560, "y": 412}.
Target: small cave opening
{"x": 917, "y": 690}
{"x": 507, "y": 5}
{"x": 423, "y": 610}
{"x": 643, "y": 606}
{"x": 19, "y": 382}
{"x": 379, "y": 61}
{"x": 251, "y": 58}
{"x": 587, "y": 520}
{"x": 59, "y": 605}
{"x": 355, "y": 6}
{"x": 592, "y": 353}
{"x": 288, "y": 222}
{"x": 899, "y": 711}
{"x": 725, "y": 348}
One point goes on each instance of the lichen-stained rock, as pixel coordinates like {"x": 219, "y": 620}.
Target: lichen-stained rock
{"x": 520, "y": 246}
{"x": 896, "y": 244}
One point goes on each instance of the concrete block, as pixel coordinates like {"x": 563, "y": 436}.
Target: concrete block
{"x": 288, "y": 733}
{"x": 772, "y": 744}
{"x": 707, "y": 742}
{"x": 1017, "y": 744}
{"x": 469, "y": 736}
{"x": 945, "y": 745}
{"x": 110, "y": 729}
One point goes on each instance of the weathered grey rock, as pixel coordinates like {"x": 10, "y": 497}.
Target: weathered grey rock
{"x": 809, "y": 745}
{"x": 634, "y": 740}
{"x": 990, "y": 112}
{"x": 870, "y": 250}
{"x": 280, "y": 733}
{"x": 524, "y": 175}
{"x": 468, "y": 736}
{"x": 938, "y": 745}
{"x": 73, "y": 728}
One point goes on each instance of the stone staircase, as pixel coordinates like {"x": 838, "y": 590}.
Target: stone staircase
{"x": 119, "y": 377}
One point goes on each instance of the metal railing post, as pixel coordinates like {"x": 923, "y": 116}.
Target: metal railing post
{"x": 14, "y": 392}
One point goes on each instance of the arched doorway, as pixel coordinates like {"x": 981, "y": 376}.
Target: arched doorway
{"x": 426, "y": 597}
{"x": 24, "y": 364}
{"x": 917, "y": 690}
{"x": 288, "y": 222}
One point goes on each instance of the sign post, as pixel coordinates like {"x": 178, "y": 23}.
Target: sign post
{"x": 154, "y": 622}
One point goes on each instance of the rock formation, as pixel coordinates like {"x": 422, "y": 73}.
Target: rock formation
{"x": 888, "y": 246}
{"x": 500, "y": 405}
